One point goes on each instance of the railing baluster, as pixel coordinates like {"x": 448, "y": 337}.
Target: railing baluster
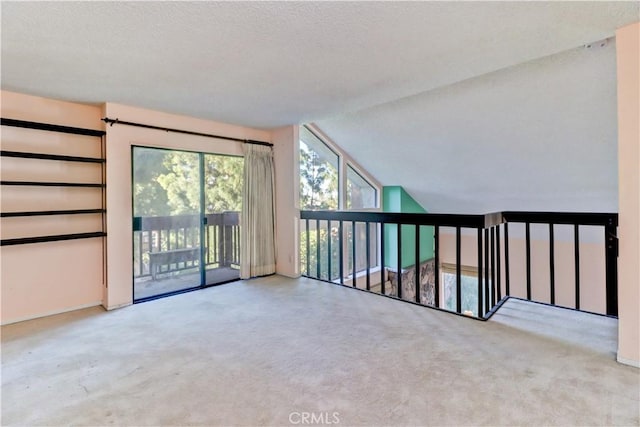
{"x": 140, "y": 253}
{"x": 493, "y": 266}
{"x": 611, "y": 268}
{"x": 486, "y": 270}
{"x": 308, "y": 270}
{"x": 436, "y": 267}
{"x": 329, "y": 253}
{"x": 318, "y": 248}
{"x": 576, "y": 240}
{"x": 353, "y": 254}
{"x": 184, "y": 243}
{"x": 417, "y": 265}
{"x": 368, "y": 254}
{"x": 528, "y": 259}
{"x": 458, "y": 270}
{"x": 341, "y": 251}
{"x": 498, "y": 269}
{"x": 382, "y": 287}
{"x": 552, "y": 269}
{"x": 399, "y": 272}
{"x": 506, "y": 259}
{"x": 211, "y": 242}
{"x": 168, "y": 246}
{"x": 479, "y": 238}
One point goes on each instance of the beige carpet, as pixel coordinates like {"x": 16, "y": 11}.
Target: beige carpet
{"x": 267, "y": 351}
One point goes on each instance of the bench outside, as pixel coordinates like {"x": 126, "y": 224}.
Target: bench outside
{"x": 174, "y": 256}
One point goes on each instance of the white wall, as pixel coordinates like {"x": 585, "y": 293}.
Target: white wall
{"x": 537, "y": 136}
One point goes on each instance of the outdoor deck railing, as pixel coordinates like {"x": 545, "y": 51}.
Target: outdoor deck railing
{"x": 329, "y": 247}
{"x": 174, "y": 242}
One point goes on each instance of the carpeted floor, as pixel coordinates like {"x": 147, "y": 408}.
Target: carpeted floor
{"x": 277, "y": 351}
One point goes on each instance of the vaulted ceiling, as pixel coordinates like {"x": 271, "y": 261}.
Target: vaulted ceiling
{"x": 384, "y": 79}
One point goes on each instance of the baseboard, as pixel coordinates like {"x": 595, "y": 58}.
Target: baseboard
{"x": 287, "y": 274}
{"x": 628, "y": 362}
{"x": 51, "y": 313}
{"x": 116, "y": 306}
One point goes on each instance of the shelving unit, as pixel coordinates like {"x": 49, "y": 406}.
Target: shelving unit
{"x": 70, "y": 184}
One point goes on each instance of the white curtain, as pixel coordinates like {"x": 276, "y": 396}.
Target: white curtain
{"x": 257, "y": 222}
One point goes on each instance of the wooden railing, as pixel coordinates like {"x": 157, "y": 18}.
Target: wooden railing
{"x": 329, "y": 246}
{"x": 167, "y": 244}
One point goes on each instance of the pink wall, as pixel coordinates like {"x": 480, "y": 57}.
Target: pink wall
{"x": 287, "y": 187}
{"x": 628, "y": 61}
{"x": 70, "y": 275}
{"x": 47, "y": 278}
{"x": 119, "y": 139}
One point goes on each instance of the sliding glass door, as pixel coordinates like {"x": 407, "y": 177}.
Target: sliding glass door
{"x": 222, "y": 205}
{"x": 185, "y": 220}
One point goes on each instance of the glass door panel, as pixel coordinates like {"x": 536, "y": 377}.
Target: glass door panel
{"x": 166, "y": 221}
{"x": 222, "y": 205}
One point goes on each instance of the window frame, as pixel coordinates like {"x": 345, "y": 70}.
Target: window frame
{"x": 346, "y": 200}
{"x": 332, "y": 148}
{"x": 344, "y": 162}
{"x": 451, "y": 269}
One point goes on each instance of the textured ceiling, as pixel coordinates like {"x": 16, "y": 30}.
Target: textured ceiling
{"x": 267, "y": 64}
{"x": 471, "y": 106}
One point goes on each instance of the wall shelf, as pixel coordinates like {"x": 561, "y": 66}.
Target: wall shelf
{"x": 55, "y": 238}
{"x": 43, "y": 156}
{"x": 47, "y": 213}
{"x": 55, "y": 157}
{"x": 52, "y": 184}
{"x": 51, "y": 127}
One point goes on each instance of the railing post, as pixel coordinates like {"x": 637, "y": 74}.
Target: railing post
{"x": 382, "y": 287}
{"x": 368, "y": 254}
{"x": 308, "y": 245}
{"x": 353, "y": 254}
{"x": 458, "y": 271}
{"x": 341, "y": 251}
{"x": 552, "y": 268}
{"x": 221, "y": 256}
{"x": 576, "y": 247}
{"x": 417, "y": 266}
{"x": 498, "y": 266}
{"x": 436, "y": 266}
{"x": 480, "y": 313}
{"x": 506, "y": 259}
{"x": 329, "y": 253}
{"x": 399, "y": 266}
{"x": 318, "y": 252}
{"x": 611, "y": 267}
{"x": 528, "y": 260}
{"x": 487, "y": 306}
{"x": 493, "y": 266}
{"x": 228, "y": 245}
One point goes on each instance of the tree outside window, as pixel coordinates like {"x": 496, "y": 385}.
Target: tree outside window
{"x": 318, "y": 173}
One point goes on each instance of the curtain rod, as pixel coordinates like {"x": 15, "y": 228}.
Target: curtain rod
{"x": 187, "y": 132}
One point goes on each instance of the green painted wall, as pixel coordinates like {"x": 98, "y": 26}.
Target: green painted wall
{"x": 396, "y": 199}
